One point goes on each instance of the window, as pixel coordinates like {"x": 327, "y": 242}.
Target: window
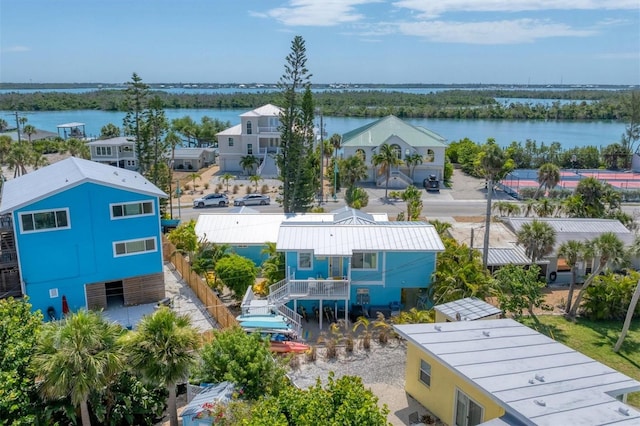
{"x": 431, "y": 155}
{"x": 248, "y": 127}
{"x": 230, "y": 141}
{"x": 250, "y": 149}
{"x": 361, "y": 260}
{"x": 425, "y": 372}
{"x": 143, "y": 208}
{"x": 304, "y": 260}
{"x": 125, "y": 248}
{"x": 44, "y": 220}
{"x": 102, "y": 151}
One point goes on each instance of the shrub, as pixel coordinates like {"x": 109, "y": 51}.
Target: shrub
{"x": 236, "y": 188}
{"x": 609, "y": 296}
{"x": 264, "y": 189}
{"x": 206, "y": 185}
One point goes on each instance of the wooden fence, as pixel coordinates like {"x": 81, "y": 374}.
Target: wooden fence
{"x": 216, "y": 308}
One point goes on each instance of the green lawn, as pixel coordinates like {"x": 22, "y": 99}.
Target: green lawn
{"x": 596, "y": 339}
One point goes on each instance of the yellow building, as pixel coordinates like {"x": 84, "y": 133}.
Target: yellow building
{"x": 501, "y": 372}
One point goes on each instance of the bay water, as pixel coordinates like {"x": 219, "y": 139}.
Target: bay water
{"x": 569, "y": 134}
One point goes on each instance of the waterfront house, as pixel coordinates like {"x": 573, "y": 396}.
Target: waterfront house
{"x": 118, "y": 152}
{"x": 86, "y": 233}
{"x": 500, "y": 372}
{"x": 258, "y": 135}
{"x": 407, "y": 141}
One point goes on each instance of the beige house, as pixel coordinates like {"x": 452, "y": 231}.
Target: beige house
{"x": 258, "y": 135}
{"x": 406, "y": 140}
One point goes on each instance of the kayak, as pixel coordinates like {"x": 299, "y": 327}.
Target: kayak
{"x": 288, "y": 347}
{"x": 261, "y": 317}
{"x": 273, "y": 325}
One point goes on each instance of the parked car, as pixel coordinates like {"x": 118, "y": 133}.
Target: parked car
{"x": 431, "y": 184}
{"x": 220, "y": 200}
{"x": 253, "y": 200}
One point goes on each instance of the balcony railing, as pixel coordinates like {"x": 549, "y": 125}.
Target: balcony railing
{"x": 310, "y": 289}
{"x": 267, "y": 129}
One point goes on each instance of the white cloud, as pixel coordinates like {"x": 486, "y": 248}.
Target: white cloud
{"x": 320, "y": 13}
{"x": 431, "y": 9}
{"x": 16, "y": 49}
{"x": 490, "y": 32}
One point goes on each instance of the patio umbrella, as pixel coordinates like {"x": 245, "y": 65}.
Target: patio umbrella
{"x": 65, "y": 305}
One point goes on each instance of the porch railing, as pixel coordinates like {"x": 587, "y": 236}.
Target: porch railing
{"x": 308, "y": 289}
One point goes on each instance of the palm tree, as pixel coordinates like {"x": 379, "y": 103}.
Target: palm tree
{"x": 352, "y": 170}
{"x": 441, "y": 227}
{"x": 76, "y": 356}
{"x": 163, "y": 349}
{"x": 77, "y": 148}
{"x": 19, "y": 158}
{"x": 548, "y": 177}
{"x": 248, "y": 162}
{"x": 386, "y": 158}
{"x": 606, "y": 247}
{"x": 538, "y": 238}
{"x": 592, "y": 191}
{"x": 572, "y": 251}
{"x": 412, "y": 161}
{"x": 256, "y": 180}
{"x": 492, "y": 165}
{"x": 193, "y": 176}
{"x": 29, "y": 130}
{"x": 545, "y": 207}
{"x": 226, "y": 178}
{"x": 635, "y": 249}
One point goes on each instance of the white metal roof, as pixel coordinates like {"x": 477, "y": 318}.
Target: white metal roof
{"x": 69, "y": 125}
{"x": 469, "y": 308}
{"x": 267, "y": 110}
{"x": 329, "y": 239}
{"x": 251, "y": 227}
{"x": 231, "y": 131}
{"x": 515, "y": 255}
{"x": 534, "y": 378}
{"x": 117, "y": 141}
{"x": 68, "y": 173}
{"x": 580, "y": 229}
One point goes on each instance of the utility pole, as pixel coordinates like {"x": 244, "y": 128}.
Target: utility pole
{"x": 18, "y": 126}
{"x": 321, "y": 159}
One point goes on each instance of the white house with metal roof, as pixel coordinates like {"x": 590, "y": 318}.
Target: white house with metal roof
{"x": 191, "y": 158}
{"x": 578, "y": 229}
{"x": 501, "y": 372}
{"x": 407, "y": 140}
{"x": 257, "y": 134}
{"x": 118, "y": 152}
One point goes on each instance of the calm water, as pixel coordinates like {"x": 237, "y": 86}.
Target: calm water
{"x": 569, "y": 134}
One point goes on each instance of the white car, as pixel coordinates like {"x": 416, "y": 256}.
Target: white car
{"x": 252, "y": 200}
{"x": 220, "y": 200}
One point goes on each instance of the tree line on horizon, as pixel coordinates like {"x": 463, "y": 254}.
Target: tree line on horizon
{"x": 448, "y": 104}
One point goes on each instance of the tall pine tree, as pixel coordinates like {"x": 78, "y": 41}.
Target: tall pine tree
{"x": 295, "y": 158}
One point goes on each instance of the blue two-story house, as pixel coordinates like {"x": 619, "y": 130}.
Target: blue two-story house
{"x": 354, "y": 260}
{"x": 87, "y": 234}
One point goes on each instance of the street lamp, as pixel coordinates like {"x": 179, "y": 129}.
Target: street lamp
{"x": 573, "y": 162}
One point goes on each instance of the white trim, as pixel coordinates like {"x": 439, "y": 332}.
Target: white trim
{"x": 124, "y": 216}
{"x": 32, "y": 212}
{"x": 155, "y": 249}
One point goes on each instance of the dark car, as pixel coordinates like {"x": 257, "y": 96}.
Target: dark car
{"x": 431, "y": 184}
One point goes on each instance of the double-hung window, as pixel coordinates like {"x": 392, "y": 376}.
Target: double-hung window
{"x": 130, "y": 247}
{"x": 138, "y": 208}
{"x": 304, "y": 260}
{"x": 364, "y": 260}
{"x": 425, "y": 372}
{"x": 44, "y": 220}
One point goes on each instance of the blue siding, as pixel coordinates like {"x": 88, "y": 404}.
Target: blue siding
{"x": 409, "y": 270}
{"x": 68, "y": 259}
{"x": 252, "y": 253}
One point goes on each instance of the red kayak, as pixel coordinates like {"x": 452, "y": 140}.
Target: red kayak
{"x": 288, "y": 346}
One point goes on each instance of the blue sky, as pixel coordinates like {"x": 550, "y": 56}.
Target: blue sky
{"x": 348, "y": 41}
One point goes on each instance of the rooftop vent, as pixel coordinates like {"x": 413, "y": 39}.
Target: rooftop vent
{"x": 486, "y": 333}
{"x": 540, "y": 402}
{"x": 623, "y": 410}
{"x": 437, "y": 327}
{"x": 539, "y": 377}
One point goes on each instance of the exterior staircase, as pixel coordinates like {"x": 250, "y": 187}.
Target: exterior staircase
{"x": 268, "y": 169}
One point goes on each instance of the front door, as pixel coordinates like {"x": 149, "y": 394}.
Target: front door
{"x": 468, "y": 412}
{"x": 335, "y": 267}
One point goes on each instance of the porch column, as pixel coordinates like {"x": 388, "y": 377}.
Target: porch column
{"x": 321, "y": 315}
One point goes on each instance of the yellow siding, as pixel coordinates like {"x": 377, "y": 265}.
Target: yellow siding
{"x": 440, "y": 397}
{"x": 440, "y": 317}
